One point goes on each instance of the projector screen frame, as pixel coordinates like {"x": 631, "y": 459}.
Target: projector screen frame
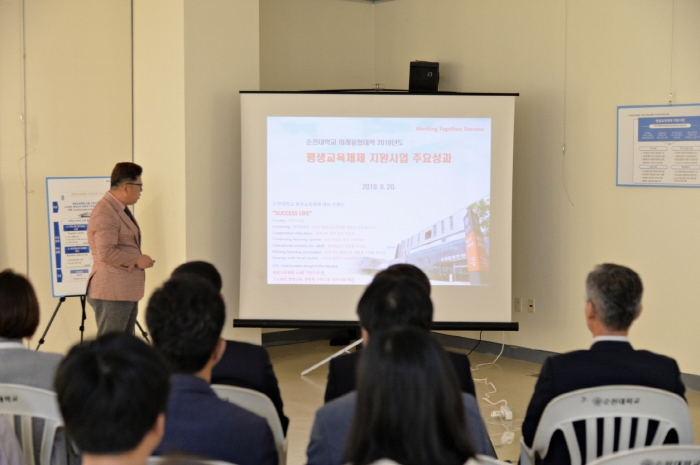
{"x": 350, "y": 324}
{"x": 333, "y": 324}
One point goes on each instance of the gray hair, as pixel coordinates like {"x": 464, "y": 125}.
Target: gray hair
{"x": 616, "y": 292}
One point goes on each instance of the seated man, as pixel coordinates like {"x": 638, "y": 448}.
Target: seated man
{"x": 613, "y": 302}
{"x": 243, "y": 364}
{"x": 389, "y": 298}
{"x": 112, "y": 393}
{"x": 341, "y": 370}
{"x": 185, "y": 317}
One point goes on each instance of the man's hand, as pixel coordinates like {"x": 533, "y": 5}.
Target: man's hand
{"x": 144, "y": 261}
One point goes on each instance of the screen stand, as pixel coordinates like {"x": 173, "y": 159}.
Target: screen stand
{"x": 345, "y": 350}
{"x": 82, "y": 322}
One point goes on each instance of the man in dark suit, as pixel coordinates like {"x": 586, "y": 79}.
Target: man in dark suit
{"x": 113, "y": 392}
{"x": 341, "y": 371}
{"x": 244, "y": 365}
{"x": 185, "y": 317}
{"x": 613, "y": 302}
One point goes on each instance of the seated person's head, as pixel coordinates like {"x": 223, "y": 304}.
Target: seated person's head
{"x": 19, "y": 307}
{"x": 394, "y": 300}
{"x": 409, "y": 406}
{"x": 202, "y": 269}
{"x": 113, "y": 393}
{"x": 613, "y": 296}
{"x": 185, "y": 317}
{"x": 406, "y": 270}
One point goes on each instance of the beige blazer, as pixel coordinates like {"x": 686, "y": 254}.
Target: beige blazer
{"x": 114, "y": 244}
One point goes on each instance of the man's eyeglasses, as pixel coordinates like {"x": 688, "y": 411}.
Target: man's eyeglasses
{"x": 135, "y": 184}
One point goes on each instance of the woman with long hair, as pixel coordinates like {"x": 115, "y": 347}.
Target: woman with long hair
{"x": 409, "y": 406}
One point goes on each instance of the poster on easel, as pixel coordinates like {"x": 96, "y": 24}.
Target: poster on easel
{"x": 658, "y": 145}
{"x": 69, "y": 202}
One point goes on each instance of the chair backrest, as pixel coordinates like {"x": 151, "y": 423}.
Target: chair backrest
{"x": 24, "y": 403}
{"x": 10, "y": 449}
{"x": 478, "y": 460}
{"x": 486, "y": 460}
{"x": 626, "y": 403}
{"x": 259, "y": 404}
{"x": 157, "y": 460}
{"x": 673, "y": 454}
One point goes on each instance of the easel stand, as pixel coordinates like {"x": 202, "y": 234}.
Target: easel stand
{"x": 345, "y": 350}
{"x": 82, "y": 321}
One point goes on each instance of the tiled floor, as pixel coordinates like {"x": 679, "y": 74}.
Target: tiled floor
{"x": 508, "y": 381}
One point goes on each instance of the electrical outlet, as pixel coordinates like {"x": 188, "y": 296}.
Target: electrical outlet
{"x": 518, "y": 304}
{"x": 531, "y": 305}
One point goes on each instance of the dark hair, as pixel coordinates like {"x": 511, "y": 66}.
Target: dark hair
{"x": 19, "y": 307}
{"x": 616, "y": 292}
{"x": 125, "y": 172}
{"x": 110, "y": 392}
{"x": 202, "y": 269}
{"x": 406, "y": 270}
{"x": 409, "y": 406}
{"x": 185, "y": 316}
{"x": 394, "y": 300}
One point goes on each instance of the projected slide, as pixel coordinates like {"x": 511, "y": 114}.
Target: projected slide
{"x": 349, "y": 196}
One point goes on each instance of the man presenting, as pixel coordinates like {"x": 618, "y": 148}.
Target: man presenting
{"x": 117, "y": 280}
{"x": 613, "y": 302}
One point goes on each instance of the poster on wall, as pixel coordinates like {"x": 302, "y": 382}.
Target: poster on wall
{"x": 69, "y": 202}
{"x": 658, "y": 145}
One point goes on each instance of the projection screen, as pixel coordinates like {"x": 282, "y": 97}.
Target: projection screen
{"x": 338, "y": 186}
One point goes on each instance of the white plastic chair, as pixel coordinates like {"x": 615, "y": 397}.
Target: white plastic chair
{"x": 486, "y": 460}
{"x": 480, "y": 460}
{"x": 259, "y": 404}
{"x": 10, "y": 449}
{"x": 675, "y": 454}
{"x": 158, "y": 460}
{"x": 26, "y": 403}
{"x": 609, "y": 403}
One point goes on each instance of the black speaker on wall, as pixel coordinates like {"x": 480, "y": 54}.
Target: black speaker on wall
{"x": 424, "y": 76}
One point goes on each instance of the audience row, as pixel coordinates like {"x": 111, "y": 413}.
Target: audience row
{"x": 402, "y": 398}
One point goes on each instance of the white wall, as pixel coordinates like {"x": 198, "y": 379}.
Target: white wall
{"x": 191, "y": 58}
{"x": 13, "y": 230}
{"x": 573, "y": 62}
{"x": 316, "y": 44}
{"x": 159, "y": 134}
{"x": 221, "y": 58}
{"x": 572, "y": 69}
{"x": 78, "y": 94}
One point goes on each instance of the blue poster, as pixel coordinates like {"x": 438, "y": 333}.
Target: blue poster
{"x": 69, "y": 202}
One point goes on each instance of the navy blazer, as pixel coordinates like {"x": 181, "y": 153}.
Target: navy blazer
{"x": 341, "y": 374}
{"x": 198, "y": 422}
{"x": 605, "y": 363}
{"x": 248, "y": 366}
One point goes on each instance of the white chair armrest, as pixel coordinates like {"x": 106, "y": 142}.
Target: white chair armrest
{"x": 527, "y": 455}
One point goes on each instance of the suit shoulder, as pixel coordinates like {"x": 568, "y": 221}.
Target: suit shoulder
{"x": 660, "y": 358}
{"x": 567, "y": 357}
{"x": 459, "y": 359}
{"x": 340, "y": 409}
{"x": 245, "y": 348}
{"x": 345, "y": 361}
{"x": 240, "y": 415}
